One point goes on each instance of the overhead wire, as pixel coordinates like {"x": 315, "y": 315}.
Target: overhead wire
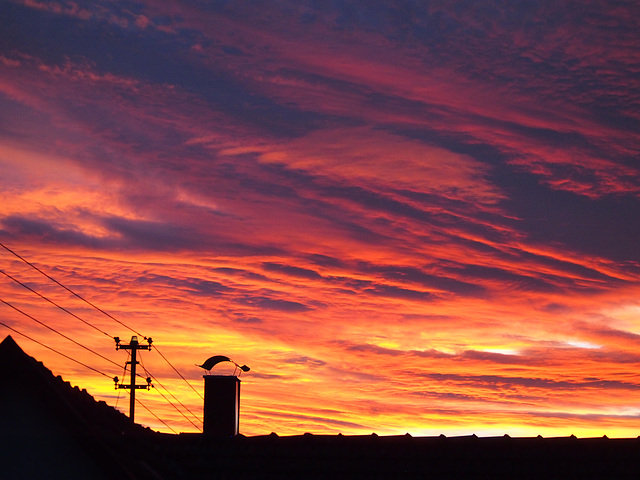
{"x": 176, "y": 370}
{"x": 150, "y": 375}
{"x": 54, "y": 350}
{"x": 161, "y": 394}
{"x": 174, "y": 397}
{"x": 101, "y": 311}
{"x": 84, "y": 365}
{"x": 70, "y": 291}
{"x": 57, "y": 332}
{"x": 61, "y": 308}
{"x": 158, "y": 418}
{"x": 95, "y": 370}
{"x": 53, "y": 303}
{"x": 87, "y": 366}
{"x": 98, "y": 329}
{"x": 124, "y": 373}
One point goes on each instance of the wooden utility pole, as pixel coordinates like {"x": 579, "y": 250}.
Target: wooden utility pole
{"x": 134, "y": 346}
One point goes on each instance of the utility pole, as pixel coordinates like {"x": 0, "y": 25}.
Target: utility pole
{"x": 134, "y": 346}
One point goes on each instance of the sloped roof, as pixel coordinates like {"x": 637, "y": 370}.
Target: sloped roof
{"x": 49, "y": 429}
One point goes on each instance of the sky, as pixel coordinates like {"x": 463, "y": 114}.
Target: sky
{"x": 404, "y": 216}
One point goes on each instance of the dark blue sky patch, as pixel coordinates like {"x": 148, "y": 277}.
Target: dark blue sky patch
{"x": 292, "y": 271}
{"x": 605, "y": 227}
{"x": 154, "y": 235}
{"x": 45, "y": 231}
{"x": 267, "y": 303}
{"x": 391, "y": 291}
{"x": 304, "y": 360}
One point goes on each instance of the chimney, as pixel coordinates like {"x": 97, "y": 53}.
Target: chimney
{"x": 221, "y": 405}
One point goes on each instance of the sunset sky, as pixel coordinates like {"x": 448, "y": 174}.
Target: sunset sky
{"x": 404, "y": 216}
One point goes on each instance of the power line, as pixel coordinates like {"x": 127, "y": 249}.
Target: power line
{"x": 61, "y": 308}
{"x": 148, "y": 373}
{"x": 158, "y": 418}
{"x": 173, "y": 396}
{"x": 54, "y": 350}
{"x": 54, "y": 303}
{"x": 59, "y": 333}
{"x": 71, "y": 291}
{"x": 80, "y": 363}
{"x": 83, "y": 364}
{"x": 124, "y": 373}
{"x": 101, "y": 311}
{"x": 176, "y": 370}
{"x": 177, "y": 409}
{"x": 92, "y": 326}
{"x": 169, "y": 401}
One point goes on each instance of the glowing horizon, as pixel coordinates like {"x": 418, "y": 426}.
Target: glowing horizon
{"x": 410, "y": 218}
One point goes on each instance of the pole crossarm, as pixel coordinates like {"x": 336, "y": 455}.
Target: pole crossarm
{"x": 134, "y": 346}
{"x": 137, "y": 387}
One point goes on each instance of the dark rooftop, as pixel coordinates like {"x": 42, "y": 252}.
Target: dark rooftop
{"x": 49, "y": 429}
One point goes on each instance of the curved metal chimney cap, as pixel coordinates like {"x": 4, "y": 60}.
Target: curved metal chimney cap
{"x": 216, "y": 359}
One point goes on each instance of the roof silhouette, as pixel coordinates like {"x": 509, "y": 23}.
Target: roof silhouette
{"x": 49, "y": 429}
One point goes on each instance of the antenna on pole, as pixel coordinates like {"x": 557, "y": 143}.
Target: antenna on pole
{"x": 134, "y": 346}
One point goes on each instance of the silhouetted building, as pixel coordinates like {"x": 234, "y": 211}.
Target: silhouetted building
{"x": 221, "y": 405}
{"x": 51, "y": 430}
